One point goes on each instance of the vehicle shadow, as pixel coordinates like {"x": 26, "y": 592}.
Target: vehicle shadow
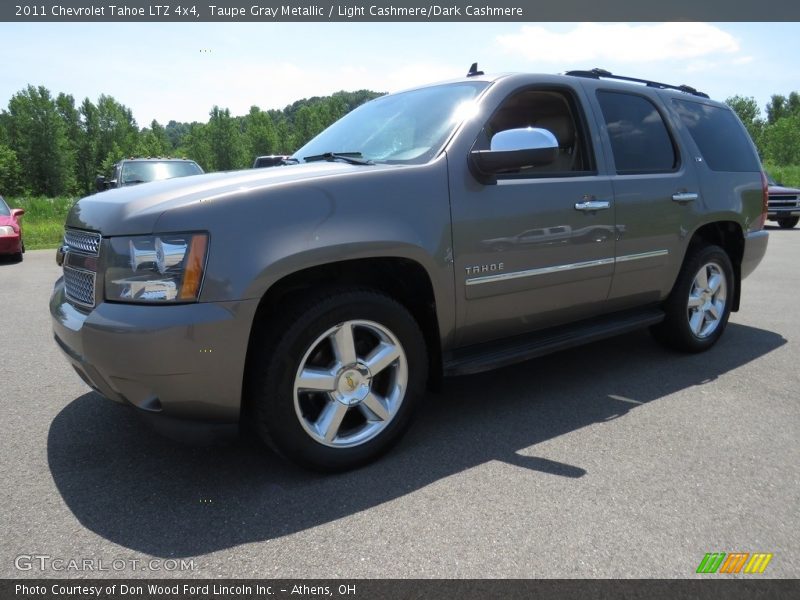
{"x": 9, "y": 260}
{"x": 152, "y": 495}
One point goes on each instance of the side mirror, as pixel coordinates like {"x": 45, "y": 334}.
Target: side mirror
{"x": 17, "y": 212}
{"x": 514, "y": 149}
{"x": 100, "y": 183}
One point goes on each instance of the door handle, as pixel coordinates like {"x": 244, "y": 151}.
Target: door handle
{"x": 685, "y": 197}
{"x": 593, "y": 205}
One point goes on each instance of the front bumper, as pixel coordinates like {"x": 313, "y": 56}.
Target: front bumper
{"x": 755, "y": 247}
{"x": 177, "y": 362}
{"x": 10, "y": 244}
{"x": 782, "y": 213}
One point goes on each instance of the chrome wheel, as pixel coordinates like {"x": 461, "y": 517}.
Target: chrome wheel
{"x": 707, "y": 299}
{"x": 350, "y": 383}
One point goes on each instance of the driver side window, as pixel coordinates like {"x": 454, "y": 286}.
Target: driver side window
{"x": 553, "y": 110}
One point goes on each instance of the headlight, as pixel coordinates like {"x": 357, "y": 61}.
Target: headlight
{"x": 162, "y": 268}
{"x": 7, "y": 230}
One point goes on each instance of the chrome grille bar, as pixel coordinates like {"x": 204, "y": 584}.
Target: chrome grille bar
{"x": 87, "y": 242}
{"x": 79, "y": 285}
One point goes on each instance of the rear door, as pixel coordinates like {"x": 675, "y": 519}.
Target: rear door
{"x": 655, "y": 189}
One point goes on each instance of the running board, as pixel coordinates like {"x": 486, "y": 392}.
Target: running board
{"x": 483, "y": 357}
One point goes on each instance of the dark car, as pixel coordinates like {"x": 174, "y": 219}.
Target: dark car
{"x": 272, "y": 160}
{"x": 133, "y": 171}
{"x": 784, "y": 204}
{"x": 11, "y": 231}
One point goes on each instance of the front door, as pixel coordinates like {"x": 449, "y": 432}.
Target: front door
{"x": 535, "y": 248}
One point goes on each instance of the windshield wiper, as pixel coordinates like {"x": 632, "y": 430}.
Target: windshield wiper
{"x": 354, "y": 158}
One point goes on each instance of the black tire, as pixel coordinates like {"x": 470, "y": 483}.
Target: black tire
{"x": 788, "y": 222}
{"x": 677, "y": 331}
{"x": 297, "y": 339}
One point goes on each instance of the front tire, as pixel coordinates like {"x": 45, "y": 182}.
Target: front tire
{"x": 788, "y": 223}
{"x": 336, "y": 386}
{"x": 699, "y": 305}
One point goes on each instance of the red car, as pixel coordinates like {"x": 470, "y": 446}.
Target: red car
{"x": 11, "y": 231}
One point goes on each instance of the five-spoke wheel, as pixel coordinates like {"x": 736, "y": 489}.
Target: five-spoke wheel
{"x": 335, "y": 382}
{"x": 707, "y": 300}
{"x": 697, "y": 309}
{"x": 350, "y": 384}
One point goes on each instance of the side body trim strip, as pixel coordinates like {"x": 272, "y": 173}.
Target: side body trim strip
{"x": 562, "y": 268}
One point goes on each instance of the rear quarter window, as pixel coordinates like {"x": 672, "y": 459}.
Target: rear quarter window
{"x": 719, "y": 136}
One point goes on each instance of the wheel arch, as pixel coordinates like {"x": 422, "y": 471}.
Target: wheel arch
{"x": 729, "y": 236}
{"x": 401, "y": 278}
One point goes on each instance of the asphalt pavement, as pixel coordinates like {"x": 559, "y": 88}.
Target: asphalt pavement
{"x": 617, "y": 459}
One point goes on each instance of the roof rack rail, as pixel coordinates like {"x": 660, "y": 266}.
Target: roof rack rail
{"x": 598, "y": 73}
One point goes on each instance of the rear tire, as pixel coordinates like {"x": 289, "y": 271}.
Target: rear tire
{"x": 699, "y": 305}
{"x": 18, "y": 256}
{"x": 334, "y": 383}
{"x": 788, "y": 223}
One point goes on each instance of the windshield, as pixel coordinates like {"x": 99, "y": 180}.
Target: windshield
{"x": 770, "y": 179}
{"x": 4, "y": 210}
{"x": 409, "y": 127}
{"x": 136, "y": 171}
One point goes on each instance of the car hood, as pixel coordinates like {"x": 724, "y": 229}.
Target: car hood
{"x": 135, "y": 210}
{"x": 779, "y": 189}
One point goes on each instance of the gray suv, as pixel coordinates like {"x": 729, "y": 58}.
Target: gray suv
{"x": 444, "y": 230}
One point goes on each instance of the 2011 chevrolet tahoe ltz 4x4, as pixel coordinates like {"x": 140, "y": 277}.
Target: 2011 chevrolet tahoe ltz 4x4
{"x": 443, "y": 230}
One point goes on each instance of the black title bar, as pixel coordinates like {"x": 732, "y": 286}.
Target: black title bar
{"x": 391, "y": 589}
{"x": 266, "y": 11}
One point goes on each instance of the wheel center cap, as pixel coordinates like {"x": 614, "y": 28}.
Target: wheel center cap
{"x": 353, "y": 384}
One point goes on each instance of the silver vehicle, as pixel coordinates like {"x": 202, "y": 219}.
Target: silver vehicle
{"x": 444, "y": 230}
{"x": 133, "y": 171}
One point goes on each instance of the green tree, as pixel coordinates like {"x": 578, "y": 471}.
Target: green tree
{"x": 153, "y": 141}
{"x": 196, "y": 146}
{"x": 89, "y": 161}
{"x": 260, "y": 134}
{"x": 176, "y": 132}
{"x": 308, "y": 122}
{"x": 116, "y": 129}
{"x": 65, "y": 104}
{"x": 225, "y": 140}
{"x": 10, "y": 172}
{"x": 780, "y": 106}
{"x": 39, "y": 137}
{"x": 749, "y": 113}
{"x": 782, "y": 141}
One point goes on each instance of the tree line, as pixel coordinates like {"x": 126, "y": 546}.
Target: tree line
{"x": 52, "y": 146}
{"x": 777, "y": 136}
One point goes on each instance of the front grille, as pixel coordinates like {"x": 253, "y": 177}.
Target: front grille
{"x": 83, "y": 241}
{"x": 79, "y": 285}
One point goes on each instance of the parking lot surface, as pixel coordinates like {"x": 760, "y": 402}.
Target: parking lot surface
{"x": 617, "y": 459}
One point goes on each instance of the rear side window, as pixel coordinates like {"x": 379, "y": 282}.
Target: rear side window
{"x": 719, "y": 136}
{"x": 639, "y": 137}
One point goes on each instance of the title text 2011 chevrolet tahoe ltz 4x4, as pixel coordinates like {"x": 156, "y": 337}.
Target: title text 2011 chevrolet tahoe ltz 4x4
{"x": 443, "y": 230}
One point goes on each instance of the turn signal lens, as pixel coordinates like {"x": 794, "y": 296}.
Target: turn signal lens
{"x": 195, "y": 262}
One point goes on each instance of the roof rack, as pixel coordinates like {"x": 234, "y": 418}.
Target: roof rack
{"x": 598, "y": 73}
